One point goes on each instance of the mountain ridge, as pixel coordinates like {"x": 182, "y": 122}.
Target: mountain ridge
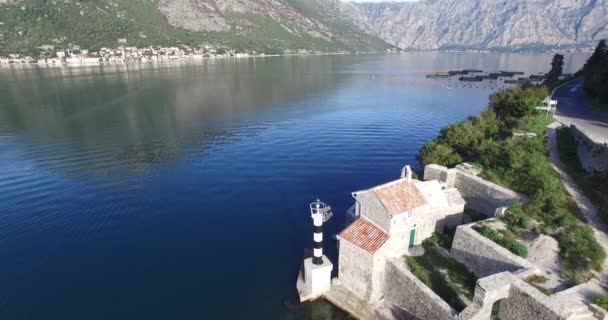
{"x": 269, "y": 26}
{"x": 488, "y": 24}
{"x": 287, "y": 26}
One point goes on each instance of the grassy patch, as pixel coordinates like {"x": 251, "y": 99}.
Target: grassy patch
{"x": 602, "y": 301}
{"x": 536, "y": 281}
{"x": 504, "y": 238}
{"x": 445, "y": 276}
{"x": 441, "y": 239}
{"x": 535, "y": 123}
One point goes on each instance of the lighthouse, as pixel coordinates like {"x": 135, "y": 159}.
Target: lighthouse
{"x": 314, "y": 279}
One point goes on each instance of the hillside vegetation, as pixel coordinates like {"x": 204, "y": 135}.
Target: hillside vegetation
{"x": 268, "y": 26}
{"x": 522, "y": 164}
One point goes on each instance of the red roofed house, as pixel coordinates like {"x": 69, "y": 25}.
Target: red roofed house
{"x": 390, "y": 219}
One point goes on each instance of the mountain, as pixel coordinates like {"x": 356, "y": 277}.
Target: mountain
{"x": 276, "y": 26}
{"x": 270, "y": 26}
{"x": 489, "y": 24}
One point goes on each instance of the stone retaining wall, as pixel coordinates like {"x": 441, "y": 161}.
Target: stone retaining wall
{"x": 480, "y": 195}
{"x": 483, "y": 256}
{"x": 593, "y": 156}
{"x": 526, "y": 302}
{"x": 484, "y": 196}
{"x": 410, "y": 298}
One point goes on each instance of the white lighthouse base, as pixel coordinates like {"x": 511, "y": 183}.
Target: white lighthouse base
{"x": 314, "y": 280}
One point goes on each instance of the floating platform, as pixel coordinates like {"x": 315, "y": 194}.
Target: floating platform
{"x": 472, "y": 71}
{"x": 457, "y": 72}
{"x": 439, "y": 75}
{"x": 517, "y": 81}
{"x": 538, "y": 77}
{"x": 512, "y": 72}
{"x": 489, "y": 76}
{"x": 471, "y": 79}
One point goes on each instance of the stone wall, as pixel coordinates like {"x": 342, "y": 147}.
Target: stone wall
{"x": 483, "y": 256}
{"x": 440, "y": 173}
{"x": 480, "y": 195}
{"x": 526, "y": 302}
{"x": 484, "y": 196}
{"x": 409, "y": 298}
{"x": 355, "y": 269}
{"x": 593, "y": 156}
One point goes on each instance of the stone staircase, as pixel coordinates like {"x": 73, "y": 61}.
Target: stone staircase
{"x": 583, "y": 313}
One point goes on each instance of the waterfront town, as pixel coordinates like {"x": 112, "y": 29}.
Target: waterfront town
{"x": 122, "y": 54}
{"x": 75, "y": 56}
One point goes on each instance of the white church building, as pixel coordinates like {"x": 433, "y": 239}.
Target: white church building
{"x": 389, "y": 220}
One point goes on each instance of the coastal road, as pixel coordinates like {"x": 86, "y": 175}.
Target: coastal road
{"x": 572, "y": 109}
{"x": 583, "y": 293}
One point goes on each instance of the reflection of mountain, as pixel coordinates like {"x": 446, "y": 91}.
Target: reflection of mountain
{"x": 101, "y": 120}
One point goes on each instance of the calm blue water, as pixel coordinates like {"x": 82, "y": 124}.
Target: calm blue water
{"x": 181, "y": 191}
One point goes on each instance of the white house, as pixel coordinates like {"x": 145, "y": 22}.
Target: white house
{"x": 390, "y": 219}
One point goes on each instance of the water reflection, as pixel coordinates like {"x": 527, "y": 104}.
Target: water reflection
{"x": 147, "y": 115}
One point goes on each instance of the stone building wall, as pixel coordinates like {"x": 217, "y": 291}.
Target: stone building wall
{"x": 526, "y": 302}
{"x": 409, "y": 298}
{"x": 593, "y": 156}
{"x": 368, "y": 205}
{"x": 483, "y": 256}
{"x": 355, "y": 269}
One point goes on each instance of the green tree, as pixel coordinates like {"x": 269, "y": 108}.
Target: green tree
{"x": 597, "y": 58}
{"x": 557, "y": 68}
{"x": 595, "y": 73}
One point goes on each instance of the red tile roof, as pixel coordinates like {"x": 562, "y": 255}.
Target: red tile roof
{"x": 364, "y": 235}
{"x": 399, "y": 196}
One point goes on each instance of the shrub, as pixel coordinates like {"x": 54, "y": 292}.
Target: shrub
{"x": 516, "y": 218}
{"x": 440, "y": 239}
{"x": 575, "y": 277}
{"x": 580, "y": 250}
{"x": 461, "y": 136}
{"x": 438, "y": 153}
{"x": 418, "y": 270}
{"x": 506, "y": 240}
{"x": 510, "y": 105}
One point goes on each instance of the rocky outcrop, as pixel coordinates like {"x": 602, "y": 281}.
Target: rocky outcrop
{"x": 488, "y": 24}
{"x": 330, "y": 20}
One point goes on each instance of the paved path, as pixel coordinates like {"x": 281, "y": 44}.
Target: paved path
{"x": 584, "y": 292}
{"x": 572, "y": 109}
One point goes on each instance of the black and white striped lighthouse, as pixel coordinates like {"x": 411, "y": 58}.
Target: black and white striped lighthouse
{"x": 315, "y": 278}
{"x": 320, "y": 212}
